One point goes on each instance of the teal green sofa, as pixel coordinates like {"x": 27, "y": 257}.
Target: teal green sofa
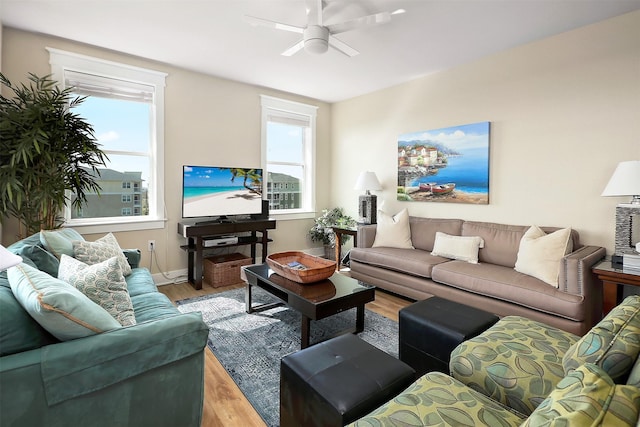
{"x": 521, "y": 372}
{"x": 149, "y": 374}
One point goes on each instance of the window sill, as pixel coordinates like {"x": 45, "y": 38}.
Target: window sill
{"x": 291, "y": 216}
{"x": 94, "y": 226}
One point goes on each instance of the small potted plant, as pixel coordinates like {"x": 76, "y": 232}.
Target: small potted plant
{"x": 322, "y": 228}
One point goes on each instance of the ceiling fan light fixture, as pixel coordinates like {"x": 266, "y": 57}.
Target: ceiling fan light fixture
{"x": 316, "y": 39}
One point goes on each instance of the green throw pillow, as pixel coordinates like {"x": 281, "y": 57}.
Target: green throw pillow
{"x": 59, "y": 242}
{"x": 42, "y": 258}
{"x": 57, "y": 306}
{"x": 101, "y": 250}
{"x": 588, "y": 397}
{"x": 103, "y": 283}
{"x": 612, "y": 344}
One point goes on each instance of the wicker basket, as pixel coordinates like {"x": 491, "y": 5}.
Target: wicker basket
{"x": 224, "y": 270}
{"x": 316, "y": 268}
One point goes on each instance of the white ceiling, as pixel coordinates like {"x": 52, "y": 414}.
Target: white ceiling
{"x": 211, "y": 37}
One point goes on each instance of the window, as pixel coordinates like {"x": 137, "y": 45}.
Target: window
{"x": 288, "y": 149}
{"x": 125, "y": 106}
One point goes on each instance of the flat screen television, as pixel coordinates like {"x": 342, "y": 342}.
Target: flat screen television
{"x": 210, "y": 191}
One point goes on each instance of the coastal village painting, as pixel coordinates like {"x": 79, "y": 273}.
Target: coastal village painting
{"x": 448, "y": 165}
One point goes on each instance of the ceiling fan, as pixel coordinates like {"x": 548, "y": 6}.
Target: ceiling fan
{"x": 316, "y": 37}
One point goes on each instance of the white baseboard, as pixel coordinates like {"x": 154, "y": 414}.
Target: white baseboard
{"x": 175, "y": 276}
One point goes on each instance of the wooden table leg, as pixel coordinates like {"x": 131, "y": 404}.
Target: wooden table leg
{"x": 611, "y": 296}
{"x": 305, "y": 331}
{"x": 360, "y": 318}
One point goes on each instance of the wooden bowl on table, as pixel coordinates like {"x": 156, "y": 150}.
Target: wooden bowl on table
{"x": 301, "y": 267}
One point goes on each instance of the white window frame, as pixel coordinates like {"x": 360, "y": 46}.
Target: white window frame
{"x": 277, "y": 106}
{"x": 61, "y": 61}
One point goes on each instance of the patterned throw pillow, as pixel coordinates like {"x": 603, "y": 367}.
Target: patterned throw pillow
{"x": 58, "y": 307}
{"x": 588, "y": 397}
{"x": 59, "y": 242}
{"x": 103, "y": 283}
{"x": 101, "y": 250}
{"x": 612, "y": 344}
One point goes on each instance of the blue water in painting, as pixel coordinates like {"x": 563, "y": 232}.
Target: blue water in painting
{"x": 470, "y": 172}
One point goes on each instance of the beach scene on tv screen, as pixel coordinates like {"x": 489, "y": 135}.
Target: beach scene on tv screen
{"x": 214, "y": 191}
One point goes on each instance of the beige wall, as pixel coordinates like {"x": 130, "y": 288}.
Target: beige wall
{"x": 208, "y": 120}
{"x": 563, "y": 111}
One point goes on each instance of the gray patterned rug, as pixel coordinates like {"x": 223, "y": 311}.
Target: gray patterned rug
{"x": 250, "y": 346}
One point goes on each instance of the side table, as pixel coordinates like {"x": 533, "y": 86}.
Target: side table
{"x": 340, "y": 231}
{"x": 613, "y": 276}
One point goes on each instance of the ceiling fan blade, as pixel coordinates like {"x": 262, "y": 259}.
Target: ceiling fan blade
{"x": 342, "y": 47}
{"x": 272, "y": 24}
{"x": 294, "y": 49}
{"x": 314, "y": 12}
{"x": 365, "y": 21}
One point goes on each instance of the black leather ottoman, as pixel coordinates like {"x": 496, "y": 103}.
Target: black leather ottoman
{"x": 337, "y": 382}
{"x": 432, "y": 328}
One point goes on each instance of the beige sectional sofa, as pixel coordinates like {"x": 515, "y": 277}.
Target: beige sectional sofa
{"x": 492, "y": 284}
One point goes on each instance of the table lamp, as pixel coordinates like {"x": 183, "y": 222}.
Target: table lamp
{"x": 625, "y": 181}
{"x": 367, "y": 202}
{"x": 8, "y": 259}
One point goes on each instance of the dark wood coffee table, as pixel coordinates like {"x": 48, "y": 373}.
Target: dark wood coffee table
{"x": 313, "y": 301}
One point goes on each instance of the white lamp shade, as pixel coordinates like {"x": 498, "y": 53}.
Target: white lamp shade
{"x": 367, "y": 181}
{"x": 625, "y": 180}
{"x": 8, "y": 259}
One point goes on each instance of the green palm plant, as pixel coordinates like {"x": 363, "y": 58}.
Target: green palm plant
{"x": 45, "y": 151}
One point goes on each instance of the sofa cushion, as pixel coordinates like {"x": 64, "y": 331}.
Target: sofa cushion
{"x": 439, "y": 400}
{"x": 588, "y": 397}
{"x": 393, "y": 231}
{"x": 19, "y": 331}
{"x": 506, "y": 284}
{"x": 613, "y": 344}
{"x": 152, "y": 306}
{"x": 43, "y": 259}
{"x": 101, "y": 250}
{"x": 60, "y": 241}
{"x": 463, "y": 248}
{"x": 103, "y": 283}
{"x": 540, "y": 253}
{"x": 410, "y": 261}
{"x": 140, "y": 282}
{"x": 423, "y": 230}
{"x": 57, "y": 306}
{"x": 517, "y": 361}
{"x": 502, "y": 241}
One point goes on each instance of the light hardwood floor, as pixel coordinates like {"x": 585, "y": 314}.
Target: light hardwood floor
{"x": 224, "y": 403}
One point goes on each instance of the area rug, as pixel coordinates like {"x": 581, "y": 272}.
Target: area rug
{"x": 250, "y": 346}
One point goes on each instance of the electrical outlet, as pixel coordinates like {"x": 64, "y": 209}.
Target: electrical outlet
{"x": 151, "y": 245}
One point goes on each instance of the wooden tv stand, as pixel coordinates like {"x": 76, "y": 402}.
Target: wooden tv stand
{"x": 196, "y": 233}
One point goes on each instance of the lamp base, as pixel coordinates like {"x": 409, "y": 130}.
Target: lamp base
{"x": 627, "y": 228}
{"x": 367, "y": 209}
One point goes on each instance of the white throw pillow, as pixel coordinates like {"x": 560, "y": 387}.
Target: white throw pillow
{"x": 464, "y": 248}
{"x": 393, "y": 231}
{"x": 540, "y": 253}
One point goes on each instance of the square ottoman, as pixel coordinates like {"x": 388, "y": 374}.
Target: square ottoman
{"x": 430, "y": 329}
{"x": 338, "y": 381}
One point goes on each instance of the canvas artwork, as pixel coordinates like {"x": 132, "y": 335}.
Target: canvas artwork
{"x": 448, "y": 165}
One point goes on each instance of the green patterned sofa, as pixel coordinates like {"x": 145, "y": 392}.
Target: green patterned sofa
{"x": 521, "y": 372}
{"x": 147, "y": 374}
